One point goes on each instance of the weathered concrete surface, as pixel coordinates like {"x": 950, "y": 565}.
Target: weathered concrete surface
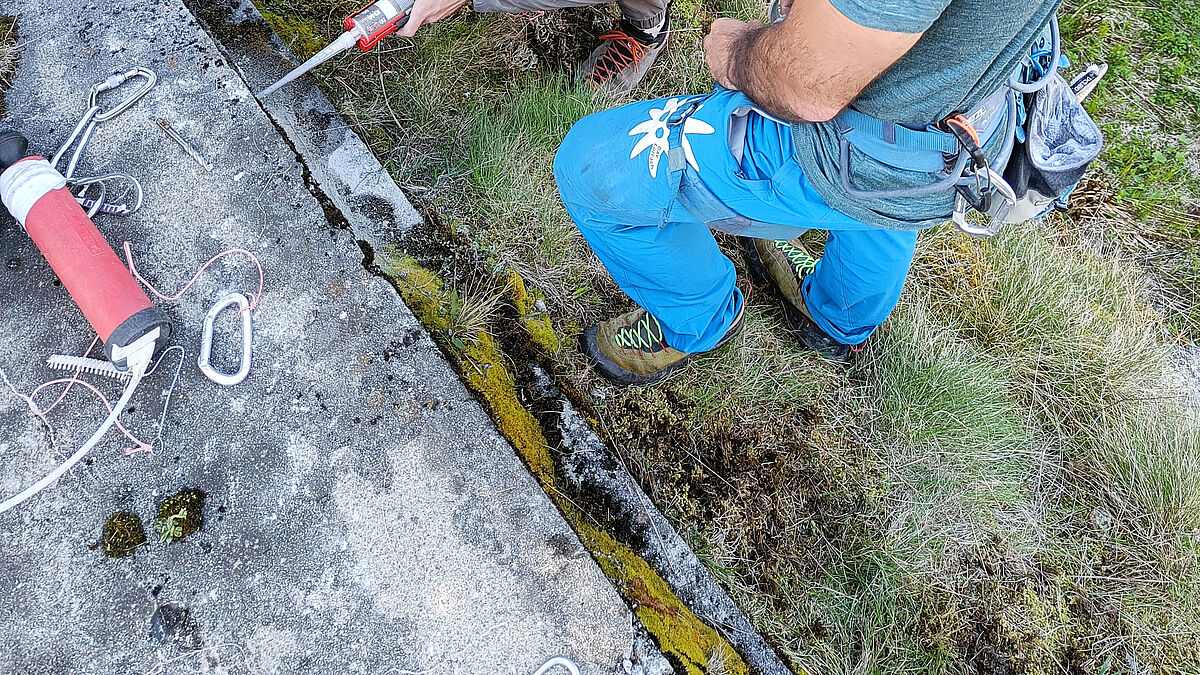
{"x": 363, "y": 513}
{"x": 340, "y": 164}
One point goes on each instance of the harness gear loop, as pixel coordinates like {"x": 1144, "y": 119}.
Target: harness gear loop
{"x": 968, "y": 141}
{"x": 968, "y": 137}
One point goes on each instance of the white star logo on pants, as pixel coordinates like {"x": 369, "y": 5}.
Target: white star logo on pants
{"x": 655, "y": 134}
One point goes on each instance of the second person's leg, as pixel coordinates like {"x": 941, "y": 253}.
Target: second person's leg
{"x": 625, "y": 53}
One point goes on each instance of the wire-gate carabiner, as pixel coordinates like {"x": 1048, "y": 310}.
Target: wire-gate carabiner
{"x": 206, "y": 340}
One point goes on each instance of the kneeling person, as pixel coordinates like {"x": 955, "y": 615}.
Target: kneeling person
{"x": 759, "y": 157}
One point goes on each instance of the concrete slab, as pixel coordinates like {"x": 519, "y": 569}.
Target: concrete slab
{"x": 363, "y": 514}
{"x": 338, "y": 162}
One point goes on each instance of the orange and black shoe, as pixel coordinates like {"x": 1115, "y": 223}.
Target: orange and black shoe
{"x": 623, "y": 57}
{"x": 631, "y": 348}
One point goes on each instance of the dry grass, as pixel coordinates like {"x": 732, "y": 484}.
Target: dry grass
{"x": 10, "y": 50}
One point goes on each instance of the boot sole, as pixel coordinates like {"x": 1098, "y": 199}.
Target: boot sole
{"x": 610, "y": 370}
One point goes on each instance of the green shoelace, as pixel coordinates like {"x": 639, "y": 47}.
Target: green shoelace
{"x": 801, "y": 261}
{"x": 644, "y": 334}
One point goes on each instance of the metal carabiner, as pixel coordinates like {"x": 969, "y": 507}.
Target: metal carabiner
{"x": 95, "y": 206}
{"x": 1004, "y": 198}
{"x": 81, "y": 133}
{"x": 226, "y": 379}
{"x": 115, "y": 81}
{"x": 558, "y": 661}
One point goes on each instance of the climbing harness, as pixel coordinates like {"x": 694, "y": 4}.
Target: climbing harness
{"x": 1040, "y": 130}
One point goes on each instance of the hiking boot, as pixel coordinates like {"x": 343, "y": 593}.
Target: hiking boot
{"x": 782, "y": 265}
{"x": 623, "y": 57}
{"x": 630, "y": 349}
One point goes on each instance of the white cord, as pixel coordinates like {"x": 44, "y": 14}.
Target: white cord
{"x": 558, "y": 661}
{"x": 138, "y": 369}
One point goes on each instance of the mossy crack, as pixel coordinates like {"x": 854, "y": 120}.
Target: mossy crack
{"x": 683, "y": 637}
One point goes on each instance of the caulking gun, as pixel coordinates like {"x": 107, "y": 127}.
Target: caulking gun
{"x": 366, "y": 28}
{"x": 132, "y": 328}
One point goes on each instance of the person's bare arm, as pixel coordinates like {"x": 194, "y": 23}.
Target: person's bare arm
{"x": 808, "y": 67}
{"x": 425, "y": 12}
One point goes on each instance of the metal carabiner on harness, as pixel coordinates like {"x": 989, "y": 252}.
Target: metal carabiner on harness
{"x": 1001, "y": 201}
{"x": 206, "y": 340}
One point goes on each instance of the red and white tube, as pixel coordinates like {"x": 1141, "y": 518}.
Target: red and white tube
{"x": 117, "y": 308}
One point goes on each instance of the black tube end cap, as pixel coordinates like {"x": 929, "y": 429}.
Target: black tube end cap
{"x": 13, "y": 148}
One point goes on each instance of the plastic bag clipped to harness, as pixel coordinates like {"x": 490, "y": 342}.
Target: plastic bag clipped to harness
{"x": 1061, "y": 141}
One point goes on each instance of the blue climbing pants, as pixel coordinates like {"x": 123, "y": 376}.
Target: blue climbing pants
{"x": 646, "y": 183}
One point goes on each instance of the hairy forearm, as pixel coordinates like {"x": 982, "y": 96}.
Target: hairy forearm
{"x": 777, "y": 72}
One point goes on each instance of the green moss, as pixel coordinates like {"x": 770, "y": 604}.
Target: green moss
{"x": 301, "y": 35}
{"x": 122, "y": 534}
{"x": 678, "y": 631}
{"x": 480, "y": 361}
{"x": 535, "y": 322}
{"x": 485, "y": 372}
{"x": 180, "y": 515}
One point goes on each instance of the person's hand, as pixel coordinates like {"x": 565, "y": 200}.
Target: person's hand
{"x": 722, "y": 41}
{"x": 428, "y": 11}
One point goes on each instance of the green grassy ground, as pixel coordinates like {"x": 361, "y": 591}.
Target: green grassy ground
{"x": 1007, "y": 481}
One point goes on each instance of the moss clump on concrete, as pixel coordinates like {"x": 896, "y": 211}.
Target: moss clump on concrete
{"x": 680, "y": 634}
{"x": 480, "y": 360}
{"x": 122, "y": 534}
{"x": 535, "y": 321}
{"x": 180, "y": 515}
{"x": 485, "y": 372}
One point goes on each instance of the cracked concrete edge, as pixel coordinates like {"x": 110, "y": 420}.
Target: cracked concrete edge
{"x": 350, "y": 176}
{"x": 590, "y": 464}
{"x": 342, "y": 166}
